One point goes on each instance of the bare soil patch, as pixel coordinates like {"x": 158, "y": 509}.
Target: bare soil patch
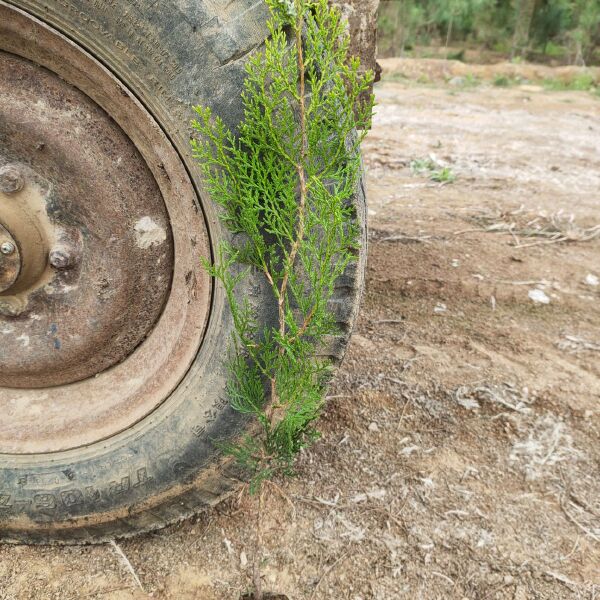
{"x": 461, "y": 446}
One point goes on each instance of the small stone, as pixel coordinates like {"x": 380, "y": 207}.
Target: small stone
{"x": 539, "y": 296}
{"x": 228, "y": 545}
{"x": 440, "y": 308}
{"x": 373, "y": 428}
{"x": 592, "y": 280}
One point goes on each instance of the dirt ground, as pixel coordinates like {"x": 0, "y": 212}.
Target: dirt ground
{"x": 460, "y": 456}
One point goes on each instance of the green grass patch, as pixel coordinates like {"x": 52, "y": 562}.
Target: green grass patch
{"x": 503, "y": 81}
{"x": 555, "y": 50}
{"x": 433, "y": 170}
{"x": 584, "y": 82}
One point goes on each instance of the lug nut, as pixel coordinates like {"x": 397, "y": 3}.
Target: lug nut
{"x": 11, "y": 180}
{"x": 7, "y": 248}
{"x": 62, "y": 258}
{"x": 11, "y": 307}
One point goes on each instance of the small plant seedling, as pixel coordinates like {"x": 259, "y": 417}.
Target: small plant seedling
{"x": 422, "y": 165}
{"x": 443, "y": 175}
{"x": 471, "y": 81}
{"x": 501, "y": 81}
{"x": 434, "y": 170}
{"x": 285, "y": 185}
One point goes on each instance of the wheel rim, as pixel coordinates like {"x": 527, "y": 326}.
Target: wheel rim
{"x": 103, "y": 303}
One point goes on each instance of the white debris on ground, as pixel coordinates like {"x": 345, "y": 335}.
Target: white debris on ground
{"x": 539, "y": 296}
{"x": 575, "y": 344}
{"x": 592, "y": 280}
{"x": 544, "y": 445}
{"x": 505, "y": 395}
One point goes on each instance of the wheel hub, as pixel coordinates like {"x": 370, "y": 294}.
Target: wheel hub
{"x": 103, "y": 299}
{"x": 79, "y": 259}
{"x": 23, "y": 218}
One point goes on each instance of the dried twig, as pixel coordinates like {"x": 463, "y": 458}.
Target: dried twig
{"x": 574, "y": 344}
{"x": 444, "y": 577}
{"x": 390, "y": 321}
{"x": 327, "y": 571}
{"x": 562, "y": 579}
{"x": 408, "y": 238}
{"x": 104, "y": 592}
{"x": 127, "y": 564}
{"x": 282, "y": 495}
{"x": 579, "y": 525}
{"x": 258, "y": 549}
{"x": 553, "y": 229}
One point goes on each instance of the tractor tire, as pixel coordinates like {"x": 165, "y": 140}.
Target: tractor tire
{"x": 113, "y": 339}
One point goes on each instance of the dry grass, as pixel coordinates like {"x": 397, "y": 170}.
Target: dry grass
{"x": 542, "y": 228}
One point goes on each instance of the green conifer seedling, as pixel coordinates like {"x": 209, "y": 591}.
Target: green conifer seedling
{"x": 286, "y": 183}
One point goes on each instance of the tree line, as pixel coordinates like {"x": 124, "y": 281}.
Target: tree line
{"x": 568, "y": 30}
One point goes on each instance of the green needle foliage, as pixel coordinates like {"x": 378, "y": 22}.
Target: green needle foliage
{"x": 286, "y": 182}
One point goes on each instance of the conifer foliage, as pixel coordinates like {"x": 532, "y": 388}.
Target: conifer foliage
{"x": 285, "y": 184}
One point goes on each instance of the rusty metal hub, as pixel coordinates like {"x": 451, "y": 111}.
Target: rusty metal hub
{"x": 103, "y": 300}
{"x": 95, "y": 248}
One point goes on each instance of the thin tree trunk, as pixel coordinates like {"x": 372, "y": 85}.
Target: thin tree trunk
{"x": 399, "y": 29}
{"x": 524, "y": 17}
{"x": 258, "y": 547}
{"x": 449, "y": 34}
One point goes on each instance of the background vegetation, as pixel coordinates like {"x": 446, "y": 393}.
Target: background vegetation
{"x": 565, "y": 31}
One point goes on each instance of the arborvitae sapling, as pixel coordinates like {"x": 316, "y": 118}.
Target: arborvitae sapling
{"x": 286, "y": 183}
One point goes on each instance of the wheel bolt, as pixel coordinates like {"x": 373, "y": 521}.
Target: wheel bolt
{"x": 62, "y": 258}
{"x": 7, "y": 248}
{"x": 11, "y": 307}
{"x": 11, "y": 180}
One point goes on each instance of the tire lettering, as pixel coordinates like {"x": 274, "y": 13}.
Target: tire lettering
{"x": 72, "y": 498}
{"x": 44, "y": 501}
{"x": 116, "y": 489}
{"x": 142, "y": 477}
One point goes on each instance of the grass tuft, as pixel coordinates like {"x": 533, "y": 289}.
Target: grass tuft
{"x": 433, "y": 169}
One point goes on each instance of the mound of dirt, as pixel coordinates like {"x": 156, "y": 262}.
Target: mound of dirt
{"x": 436, "y": 70}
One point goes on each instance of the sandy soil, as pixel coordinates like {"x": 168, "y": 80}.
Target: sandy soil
{"x": 461, "y": 447}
